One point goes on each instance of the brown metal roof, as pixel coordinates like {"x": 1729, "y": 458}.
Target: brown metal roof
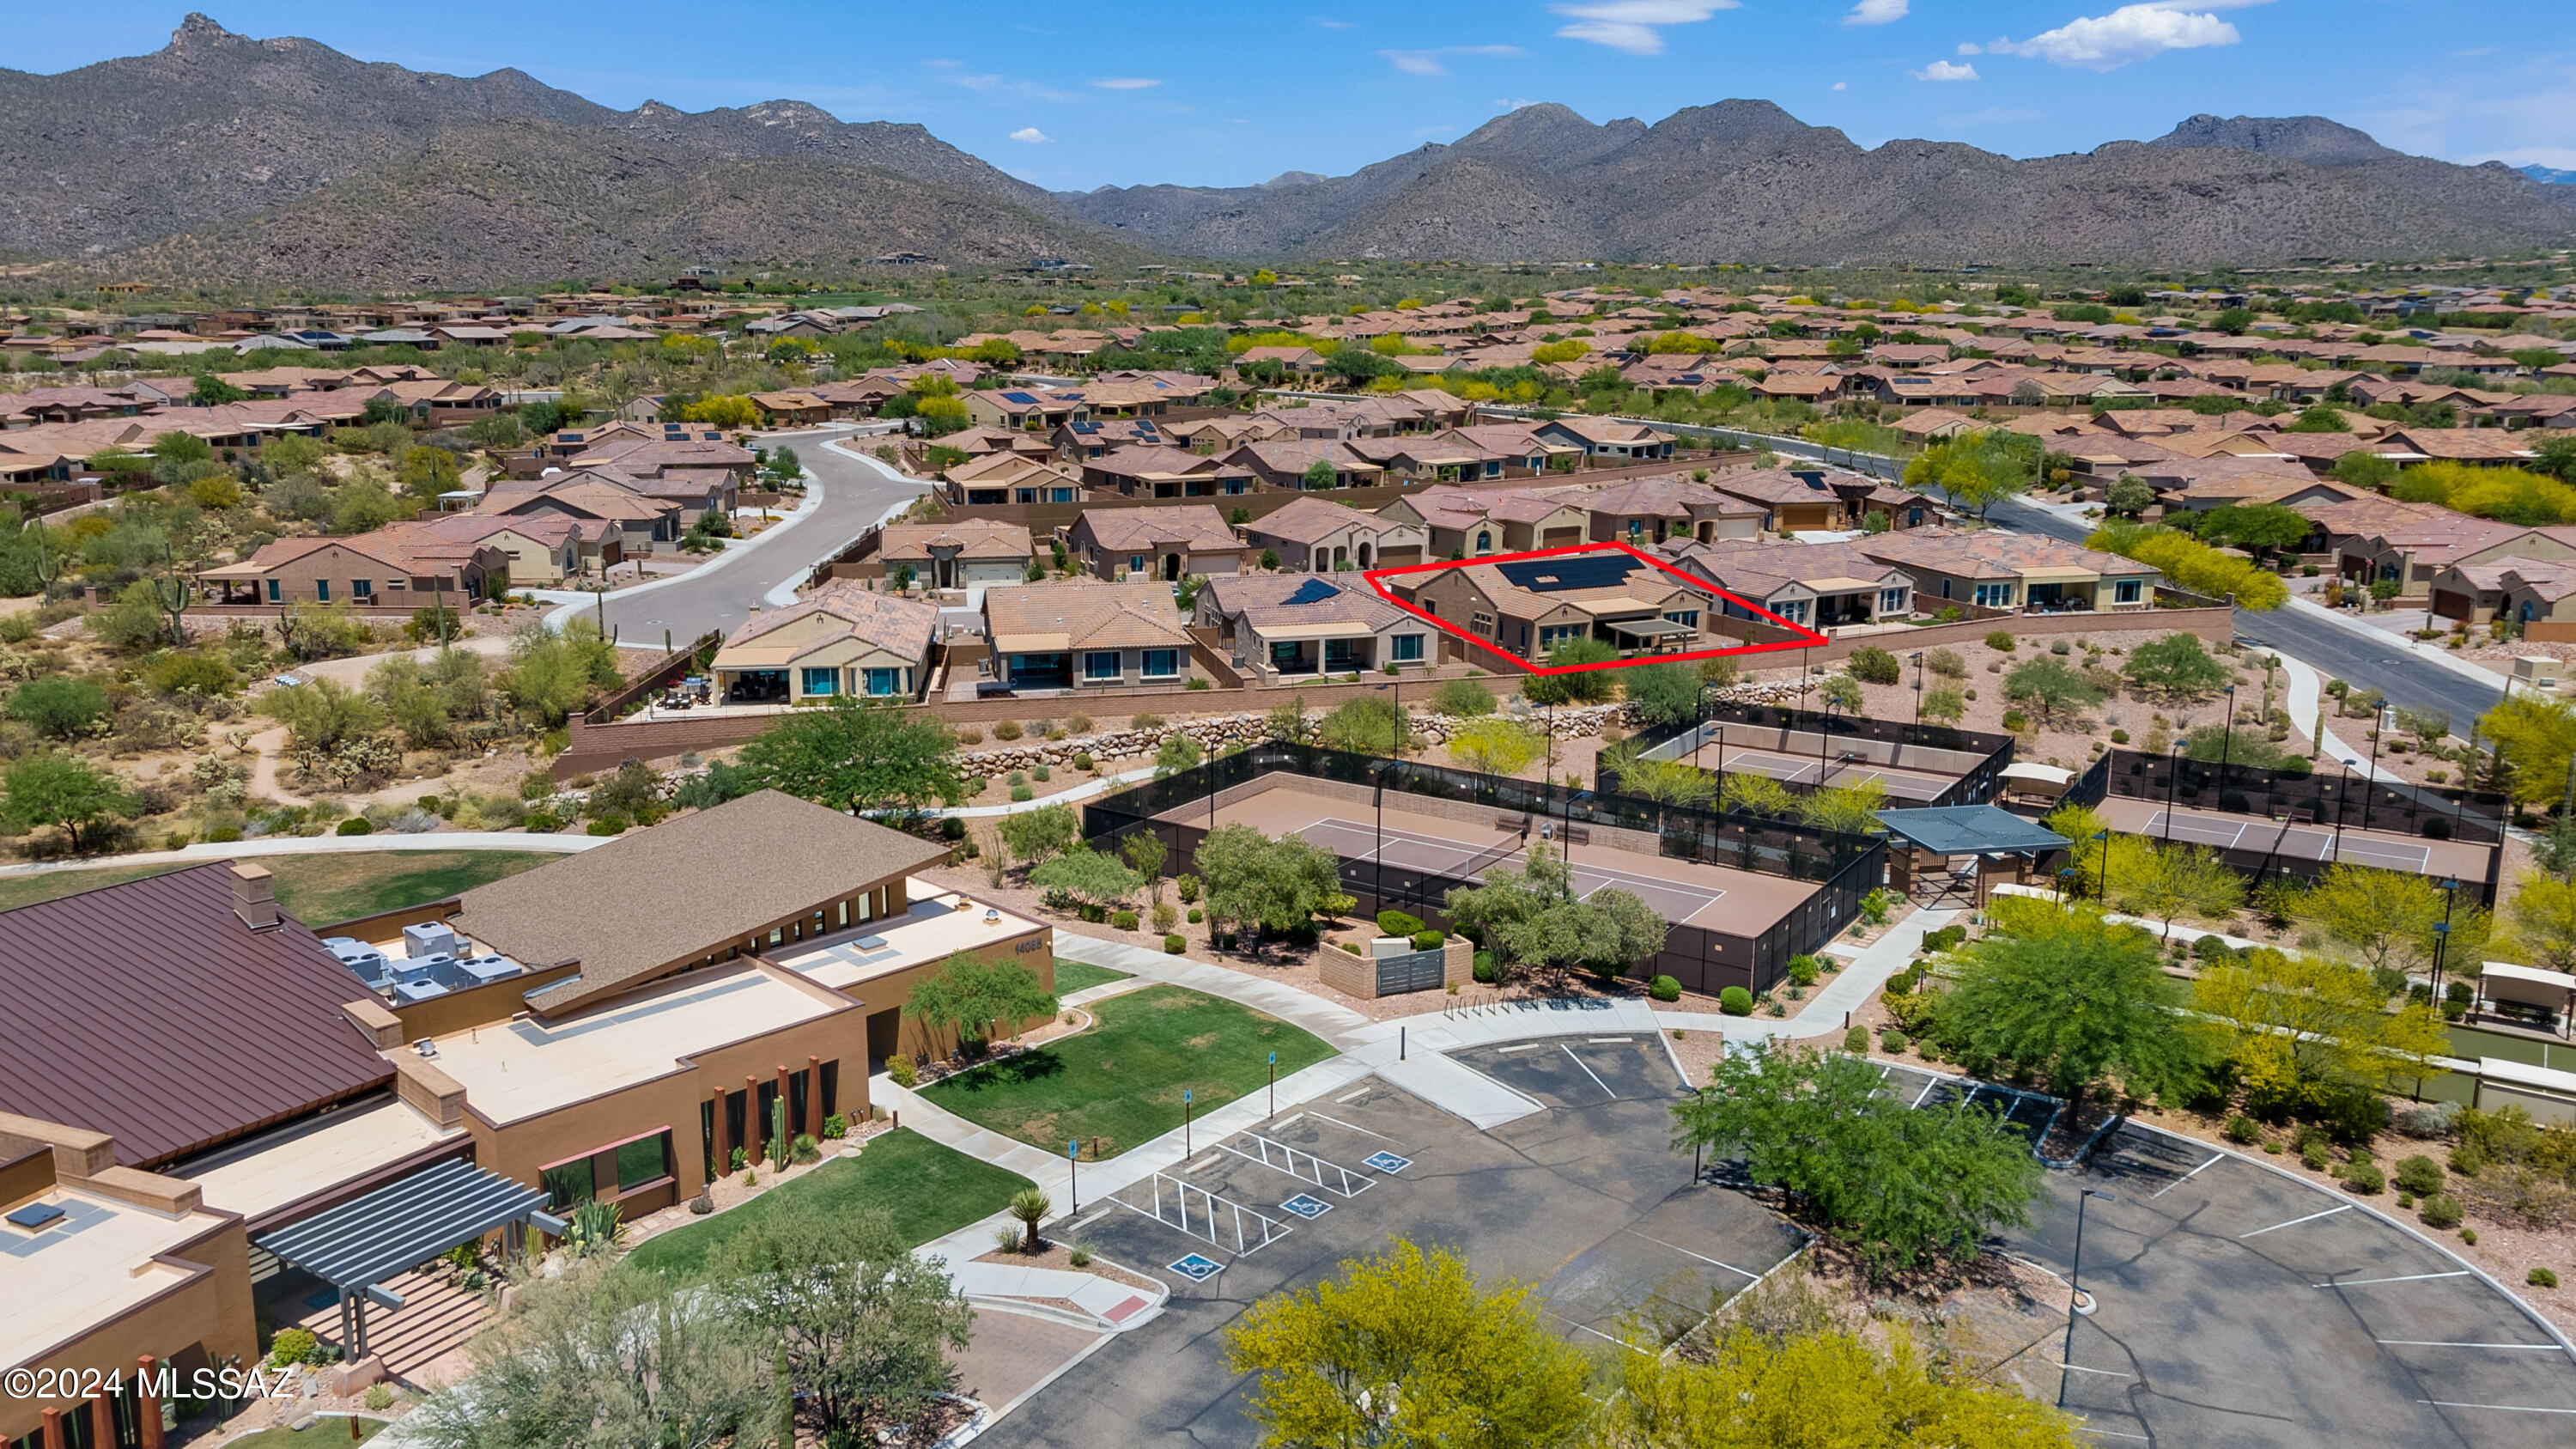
{"x": 150, "y": 1012}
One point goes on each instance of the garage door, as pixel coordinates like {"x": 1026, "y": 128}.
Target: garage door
{"x": 1560, "y": 538}
{"x": 1394, "y": 558}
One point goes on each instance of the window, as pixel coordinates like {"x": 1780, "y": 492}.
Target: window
{"x": 322, "y": 590}
{"x": 362, "y": 589}
{"x": 1485, "y": 542}
{"x": 1891, "y": 601}
{"x": 822, "y": 681}
{"x": 1135, "y": 563}
{"x": 1995, "y": 596}
{"x": 1162, "y": 663}
{"x": 274, "y": 592}
{"x": 1945, "y": 588}
{"x": 1059, "y": 495}
{"x": 570, "y": 1184}
{"x": 1636, "y": 526}
{"x": 883, "y": 682}
{"x": 1689, "y": 617}
{"x": 1407, "y": 648}
{"x": 1101, "y": 664}
{"x": 1793, "y": 610}
{"x": 1551, "y": 635}
{"x": 1483, "y": 623}
{"x": 644, "y": 1160}
{"x": 2127, "y": 591}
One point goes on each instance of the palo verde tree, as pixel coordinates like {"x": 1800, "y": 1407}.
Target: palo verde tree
{"x": 857, "y": 757}
{"x": 978, "y": 999}
{"x": 2070, "y": 996}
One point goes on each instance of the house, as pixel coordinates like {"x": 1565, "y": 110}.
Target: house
{"x": 1317, "y": 535}
{"x": 641, "y": 522}
{"x": 2019, "y": 572}
{"x": 1026, "y": 409}
{"x": 957, "y": 554}
{"x": 1530, "y": 607}
{"x": 1083, "y": 634}
{"x": 1159, "y": 472}
{"x": 794, "y": 407}
{"x": 1792, "y": 500}
{"x": 1933, "y": 424}
{"x": 1646, "y": 511}
{"x": 1287, "y": 462}
{"x": 1608, "y": 438}
{"x": 1296, "y": 361}
{"x": 1467, "y": 522}
{"x": 1450, "y": 456}
{"x": 1290, "y": 626}
{"x": 843, "y": 638}
{"x": 1010, "y": 478}
{"x": 2410, "y": 550}
{"x": 543, "y": 550}
{"x": 401, "y": 565}
{"x": 2525, "y": 591}
{"x": 1819, "y": 585}
{"x": 1092, "y": 437}
{"x": 1164, "y": 543}
{"x": 437, "y": 402}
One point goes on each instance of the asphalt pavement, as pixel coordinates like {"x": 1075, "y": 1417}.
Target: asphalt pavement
{"x": 854, "y": 495}
{"x": 2359, "y": 656}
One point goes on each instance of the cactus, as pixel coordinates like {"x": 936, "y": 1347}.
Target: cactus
{"x": 174, "y": 594}
{"x": 49, "y": 564}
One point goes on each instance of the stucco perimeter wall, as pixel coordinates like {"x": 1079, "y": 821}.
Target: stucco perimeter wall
{"x": 1465, "y": 812}
{"x": 2216, "y": 626}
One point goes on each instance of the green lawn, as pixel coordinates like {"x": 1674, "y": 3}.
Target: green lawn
{"x": 931, "y": 1190}
{"x": 324, "y": 1431}
{"x": 1073, "y": 976}
{"x": 317, "y": 889}
{"x": 1121, "y": 1081}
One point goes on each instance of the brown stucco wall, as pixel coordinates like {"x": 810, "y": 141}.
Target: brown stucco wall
{"x": 212, "y": 1306}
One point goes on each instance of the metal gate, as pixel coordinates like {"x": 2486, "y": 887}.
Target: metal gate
{"x": 1412, "y": 971}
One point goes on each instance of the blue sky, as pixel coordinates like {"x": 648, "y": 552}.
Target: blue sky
{"x": 1078, "y": 95}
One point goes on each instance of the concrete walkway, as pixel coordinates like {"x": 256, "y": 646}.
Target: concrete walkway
{"x": 320, "y": 845}
{"x": 1084, "y": 791}
{"x": 2305, "y": 703}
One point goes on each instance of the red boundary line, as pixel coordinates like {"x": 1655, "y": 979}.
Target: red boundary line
{"x": 1376, "y": 576}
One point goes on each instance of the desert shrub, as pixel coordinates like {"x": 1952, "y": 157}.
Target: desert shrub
{"x": 1187, "y": 888}
{"x": 1735, "y": 1001}
{"x": 836, "y": 1126}
{"x": 1174, "y": 945}
{"x": 2242, "y": 1130}
{"x": 1123, "y": 920}
{"x": 2541, "y": 1278}
{"x": 1872, "y": 665}
{"x": 356, "y": 825}
{"x": 609, "y": 825}
{"x": 2441, "y": 1210}
{"x": 2420, "y": 1175}
{"x": 900, "y": 1067}
{"x": 805, "y": 1148}
{"x": 1946, "y": 663}
{"x": 1802, "y": 971}
{"x": 2002, "y": 641}
{"x": 1008, "y": 729}
{"x": 1429, "y": 940}
{"x": 291, "y": 1346}
{"x": 1892, "y": 1041}
{"x": 1664, "y": 988}
{"x": 1463, "y": 699}
{"x": 2316, "y": 1156}
{"x": 1856, "y": 1040}
{"x": 1484, "y": 967}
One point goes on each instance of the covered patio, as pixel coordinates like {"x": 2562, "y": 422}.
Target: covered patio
{"x": 1652, "y": 634}
{"x": 1999, "y": 846}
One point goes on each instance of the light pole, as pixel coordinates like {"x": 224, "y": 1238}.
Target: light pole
{"x": 1380, "y": 855}
{"x": 1185, "y": 1124}
{"x": 2226, "y": 746}
{"x": 2074, "y": 1293}
{"x": 1918, "y": 686}
{"x": 1073, "y": 1174}
{"x": 2378, "y": 718}
{"x": 2348, "y": 767}
{"x": 2442, "y": 936}
{"x": 2102, "y": 887}
{"x": 2173, "y": 779}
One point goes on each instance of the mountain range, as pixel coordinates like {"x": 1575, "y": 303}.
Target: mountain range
{"x": 286, "y": 163}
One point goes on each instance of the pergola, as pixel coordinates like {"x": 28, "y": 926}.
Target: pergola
{"x": 359, "y": 1244}
{"x": 2550, "y": 991}
{"x": 1938, "y": 834}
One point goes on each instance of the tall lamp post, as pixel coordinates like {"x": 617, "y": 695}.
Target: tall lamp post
{"x": 2226, "y": 746}
{"x": 2074, "y": 1293}
{"x": 2348, "y": 767}
{"x": 2102, "y": 887}
{"x": 2378, "y": 727}
{"x": 1918, "y": 686}
{"x": 2442, "y": 935}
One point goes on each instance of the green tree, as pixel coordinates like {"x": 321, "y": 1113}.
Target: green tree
{"x": 1368, "y": 725}
{"x": 1495, "y": 745}
{"x": 2128, "y": 496}
{"x": 861, "y": 1324}
{"x": 1088, "y": 876}
{"x": 2305, "y": 1025}
{"x": 552, "y": 674}
{"x": 1408, "y": 1351}
{"x": 60, "y": 705}
{"x": 2073, "y": 997}
{"x": 1842, "y": 692}
{"x": 1319, "y": 474}
{"x": 55, "y": 788}
{"x": 606, "y": 1354}
{"x": 1663, "y": 693}
{"x": 1852, "y": 809}
{"x": 320, "y": 713}
{"x": 1944, "y": 706}
{"x": 133, "y": 621}
{"x": 979, "y": 999}
{"x": 1975, "y": 470}
{"x": 2363, "y": 469}
{"x": 2381, "y": 918}
{"x": 1667, "y": 782}
{"x": 1277, "y": 885}
{"x": 1895, "y": 1184}
{"x": 2176, "y": 665}
{"x": 857, "y": 758}
{"x": 2263, "y": 527}
{"x": 2555, "y": 455}
{"x": 1463, "y": 699}
{"x": 428, "y": 472}
{"x": 2050, "y": 686}
{"x": 1034, "y": 835}
{"x": 2540, "y": 921}
{"x": 2535, "y": 738}
{"x": 2319, "y": 418}
{"x": 1872, "y": 665}
{"x": 2232, "y": 320}
{"x": 212, "y": 391}
{"x": 1588, "y": 686}
{"x": 1177, "y": 753}
{"x": 2165, "y": 881}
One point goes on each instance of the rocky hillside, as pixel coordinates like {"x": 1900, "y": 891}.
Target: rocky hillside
{"x": 285, "y": 159}
{"x": 1745, "y": 180}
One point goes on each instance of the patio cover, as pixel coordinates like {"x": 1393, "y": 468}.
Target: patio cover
{"x": 1648, "y": 628}
{"x": 406, "y": 1223}
{"x": 1969, "y": 830}
{"x": 2528, "y": 985}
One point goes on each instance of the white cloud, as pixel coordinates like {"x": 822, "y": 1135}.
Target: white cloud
{"x": 1876, "y": 12}
{"x": 1630, "y": 25}
{"x": 1970, "y": 47}
{"x": 1427, "y": 62}
{"x": 1127, "y": 83}
{"x": 1942, "y": 70}
{"x": 1031, "y": 134}
{"x": 1842, "y": 85}
{"x": 2130, "y": 33}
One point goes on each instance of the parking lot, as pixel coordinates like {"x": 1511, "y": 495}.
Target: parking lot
{"x": 1585, "y": 1199}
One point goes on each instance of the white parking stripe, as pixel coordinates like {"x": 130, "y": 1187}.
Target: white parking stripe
{"x": 2499, "y": 1408}
{"x": 2294, "y": 1222}
{"x": 2116, "y": 1434}
{"x": 1687, "y": 1253}
{"x": 1527, "y": 1046}
{"x": 1608, "y": 1040}
{"x": 1595, "y": 1076}
{"x": 1363, "y": 1131}
{"x": 2109, "y": 1373}
{"x": 2186, "y": 1177}
{"x": 2437, "y": 1343}
{"x": 1354, "y": 1096}
{"x": 2409, "y": 1278}
{"x": 1927, "y": 1091}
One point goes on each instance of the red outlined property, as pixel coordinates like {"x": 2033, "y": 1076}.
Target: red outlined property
{"x": 1806, "y": 638}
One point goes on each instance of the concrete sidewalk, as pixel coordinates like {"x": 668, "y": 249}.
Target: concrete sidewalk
{"x": 320, "y": 845}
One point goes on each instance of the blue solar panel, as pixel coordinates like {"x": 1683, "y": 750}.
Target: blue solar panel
{"x": 1018, "y": 397}
{"x": 1313, "y": 591}
{"x": 1574, "y": 571}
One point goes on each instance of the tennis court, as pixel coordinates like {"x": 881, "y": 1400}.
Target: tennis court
{"x": 1353, "y": 840}
{"x": 1837, "y": 771}
{"x": 2237, "y": 832}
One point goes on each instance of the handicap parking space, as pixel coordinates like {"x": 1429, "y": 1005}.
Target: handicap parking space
{"x": 1579, "y": 1071}
{"x": 2239, "y": 1305}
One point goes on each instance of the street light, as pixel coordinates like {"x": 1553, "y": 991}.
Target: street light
{"x": 2226, "y": 745}
{"x": 2442, "y": 935}
{"x": 2074, "y": 1293}
{"x": 1918, "y": 686}
{"x": 2378, "y": 727}
{"x": 2348, "y": 767}
{"x": 2102, "y": 887}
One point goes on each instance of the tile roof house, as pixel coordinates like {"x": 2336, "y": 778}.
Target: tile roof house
{"x": 1645, "y": 511}
{"x": 2527, "y": 591}
{"x": 2017, "y": 572}
{"x": 1314, "y": 534}
{"x": 1010, "y": 478}
{"x": 1467, "y": 522}
{"x": 843, "y": 638}
{"x": 1283, "y": 463}
{"x": 1530, "y": 607}
{"x": 1792, "y": 500}
{"x": 1608, "y": 438}
{"x": 1819, "y": 585}
{"x": 1116, "y": 543}
{"x": 1290, "y": 626}
{"x": 2409, "y": 551}
{"x": 401, "y": 565}
{"x": 1163, "y": 472}
{"x": 957, "y": 553}
{"x": 1083, "y": 634}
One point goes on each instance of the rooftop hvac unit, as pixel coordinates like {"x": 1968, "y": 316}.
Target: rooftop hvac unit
{"x": 430, "y": 938}
{"x": 485, "y": 969}
{"x": 409, "y": 992}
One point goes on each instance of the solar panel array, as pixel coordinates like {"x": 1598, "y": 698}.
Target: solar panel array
{"x": 1575, "y": 571}
{"x": 1312, "y": 591}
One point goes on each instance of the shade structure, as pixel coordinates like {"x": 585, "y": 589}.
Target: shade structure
{"x": 1970, "y": 830}
{"x": 366, "y": 1240}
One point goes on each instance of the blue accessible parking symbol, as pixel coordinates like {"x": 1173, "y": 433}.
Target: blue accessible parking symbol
{"x": 1307, "y": 1206}
{"x": 1386, "y": 1162}
{"x": 1198, "y": 1269}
